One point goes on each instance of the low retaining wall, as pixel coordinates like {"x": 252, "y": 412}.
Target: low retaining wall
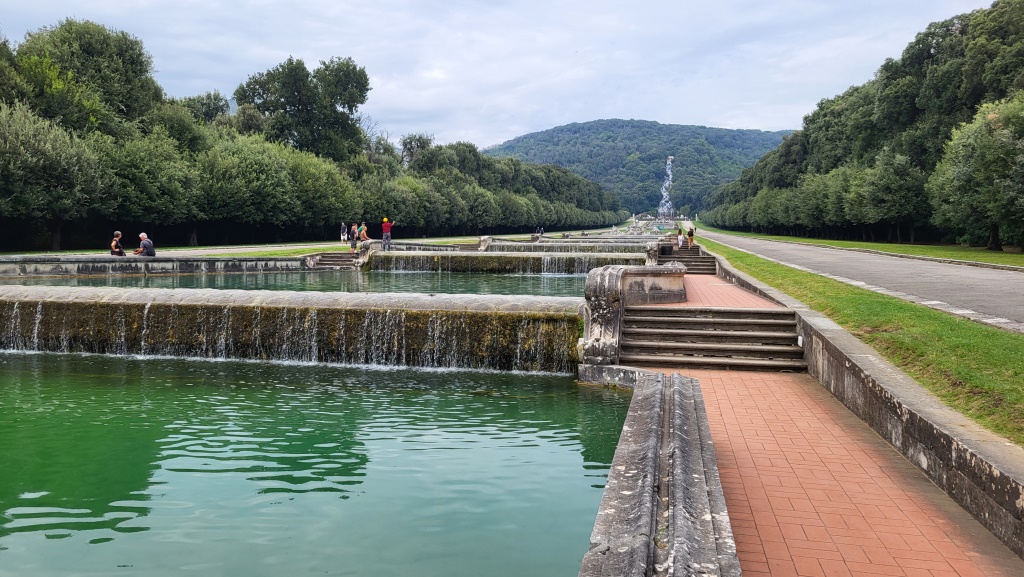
{"x": 462, "y": 331}
{"x": 498, "y": 262}
{"x": 663, "y": 509}
{"x": 981, "y": 471}
{"x": 102, "y": 265}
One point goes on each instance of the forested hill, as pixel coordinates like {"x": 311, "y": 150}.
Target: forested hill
{"x": 934, "y": 140}
{"x": 628, "y": 157}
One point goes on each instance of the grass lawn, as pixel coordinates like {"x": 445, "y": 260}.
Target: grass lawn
{"x": 1010, "y": 256}
{"x": 975, "y": 369}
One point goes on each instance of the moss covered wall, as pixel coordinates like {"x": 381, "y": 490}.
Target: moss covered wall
{"x": 499, "y": 262}
{"x": 500, "y": 333}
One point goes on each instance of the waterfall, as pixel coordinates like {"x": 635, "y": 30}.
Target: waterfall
{"x": 503, "y": 262}
{"x": 665, "y": 208}
{"x": 449, "y": 331}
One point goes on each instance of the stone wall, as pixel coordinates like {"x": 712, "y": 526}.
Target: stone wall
{"x": 105, "y": 264}
{"x": 663, "y": 509}
{"x": 498, "y": 262}
{"x": 463, "y": 331}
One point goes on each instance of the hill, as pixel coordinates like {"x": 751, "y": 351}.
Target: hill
{"x": 627, "y": 157}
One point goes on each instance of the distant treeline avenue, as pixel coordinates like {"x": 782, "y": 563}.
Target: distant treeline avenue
{"x": 934, "y": 143}
{"x": 90, "y": 143}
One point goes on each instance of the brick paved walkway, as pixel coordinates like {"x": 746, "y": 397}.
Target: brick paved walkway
{"x": 813, "y": 491}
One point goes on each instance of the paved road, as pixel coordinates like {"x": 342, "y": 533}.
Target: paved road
{"x": 992, "y": 296}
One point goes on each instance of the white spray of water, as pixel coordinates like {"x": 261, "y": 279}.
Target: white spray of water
{"x": 665, "y": 208}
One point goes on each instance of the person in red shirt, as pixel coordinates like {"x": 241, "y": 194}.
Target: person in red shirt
{"x": 386, "y": 226}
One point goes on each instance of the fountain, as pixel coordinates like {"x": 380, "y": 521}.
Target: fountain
{"x": 665, "y": 211}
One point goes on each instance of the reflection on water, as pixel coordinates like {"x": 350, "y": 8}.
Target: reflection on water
{"x": 164, "y": 467}
{"x": 342, "y": 281}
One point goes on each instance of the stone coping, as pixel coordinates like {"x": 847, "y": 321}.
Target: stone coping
{"x": 94, "y": 265}
{"x": 980, "y": 470}
{"x": 300, "y": 299}
{"x": 663, "y": 508}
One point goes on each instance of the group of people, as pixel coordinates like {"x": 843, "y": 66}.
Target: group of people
{"x": 145, "y": 245}
{"x": 356, "y": 233}
{"x": 689, "y": 236}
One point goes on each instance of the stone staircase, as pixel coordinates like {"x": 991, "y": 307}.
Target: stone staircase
{"x": 694, "y": 259}
{"x": 336, "y": 260}
{"x": 710, "y": 338}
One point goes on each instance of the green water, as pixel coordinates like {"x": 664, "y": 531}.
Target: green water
{"x": 344, "y": 281}
{"x": 115, "y": 466}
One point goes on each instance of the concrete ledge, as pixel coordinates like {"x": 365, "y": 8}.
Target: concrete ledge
{"x": 980, "y": 470}
{"x": 140, "y": 265}
{"x": 663, "y": 510}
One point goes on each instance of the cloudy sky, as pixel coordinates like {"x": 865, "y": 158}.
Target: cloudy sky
{"x": 485, "y": 71}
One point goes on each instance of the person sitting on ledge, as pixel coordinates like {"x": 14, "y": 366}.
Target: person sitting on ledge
{"x": 145, "y": 246}
{"x": 115, "y": 245}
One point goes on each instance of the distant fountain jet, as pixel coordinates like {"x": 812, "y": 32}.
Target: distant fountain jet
{"x": 665, "y": 211}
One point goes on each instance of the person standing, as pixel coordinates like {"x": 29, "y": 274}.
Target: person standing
{"x": 679, "y": 235}
{"x": 145, "y": 246}
{"x": 386, "y": 227}
{"x": 344, "y": 232}
{"x": 689, "y": 237}
{"x": 353, "y": 238}
{"x": 115, "y": 245}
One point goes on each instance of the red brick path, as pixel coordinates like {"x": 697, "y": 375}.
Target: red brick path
{"x": 813, "y": 491}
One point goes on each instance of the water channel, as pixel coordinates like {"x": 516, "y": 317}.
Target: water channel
{"x": 130, "y": 466}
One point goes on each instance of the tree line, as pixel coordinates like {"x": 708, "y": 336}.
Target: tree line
{"x": 628, "y": 157}
{"x": 933, "y": 145}
{"x": 89, "y": 142}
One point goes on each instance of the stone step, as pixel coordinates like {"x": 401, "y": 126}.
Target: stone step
{"x": 713, "y": 363}
{"x": 709, "y": 312}
{"x": 709, "y": 324}
{"x": 734, "y": 350}
{"x": 688, "y": 260}
{"x": 702, "y": 336}
{"x": 336, "y": 260}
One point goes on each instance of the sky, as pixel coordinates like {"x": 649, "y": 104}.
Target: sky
{"x": 487, "y": 71}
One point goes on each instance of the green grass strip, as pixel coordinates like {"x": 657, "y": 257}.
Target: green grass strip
{"x": 975, "y": 369}
{"x": 1010, "y": 256}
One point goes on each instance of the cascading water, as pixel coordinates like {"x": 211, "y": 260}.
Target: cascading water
{"x": 520, "y": 333}
{"x": 665, "y": 211}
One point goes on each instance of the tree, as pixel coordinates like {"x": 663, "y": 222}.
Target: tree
{"x": 46, "y": 174}
{"x": 311, "y": 111}
{"x": 56, "y": 95}
{"x": 413, "y": 145}
{"x": 976, "y": 185}
{"x": 152, "y": 181}
{"x": 894, "y": 189}
{"x": 112, "y": 63}
{"x": 207, "y": 107}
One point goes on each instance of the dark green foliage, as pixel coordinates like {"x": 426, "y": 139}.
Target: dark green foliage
{"x": 858, "y": 166}
{"x": 47, "y": 176}
{"x": 207, "y": 106}
{"x": 86, "y": 139}
{"x": 113, "y": 64}
{"x": 311, "y": 111}
{"x": 627, "y": 157}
